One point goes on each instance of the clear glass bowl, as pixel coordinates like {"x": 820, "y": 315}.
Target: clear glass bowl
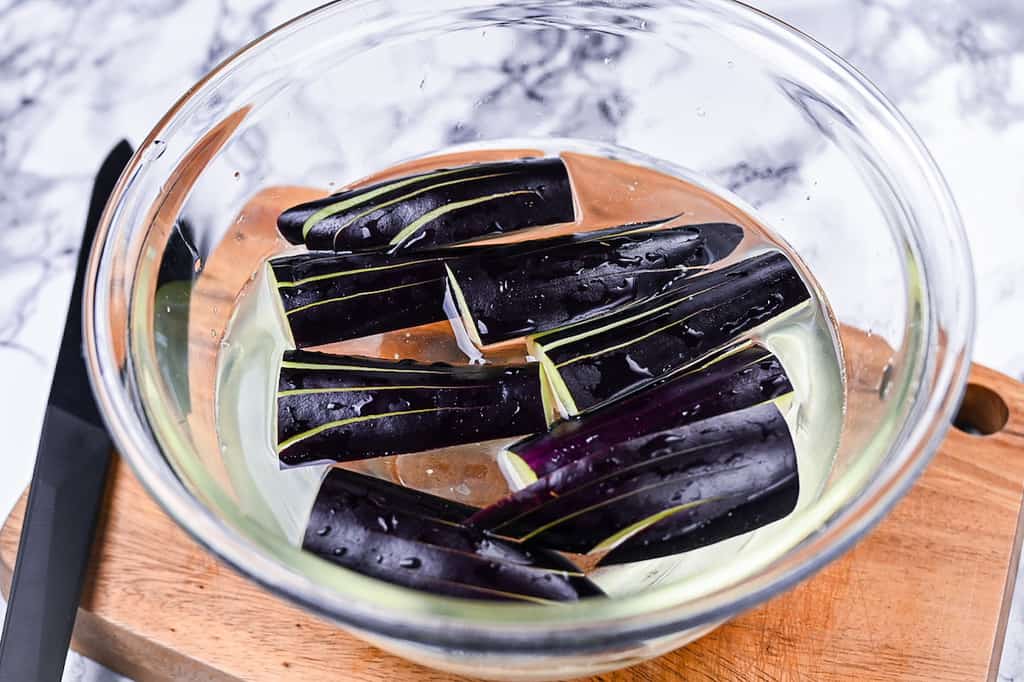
{"x": 710, "y": 85}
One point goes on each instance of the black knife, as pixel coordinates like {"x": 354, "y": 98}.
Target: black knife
{"x": 66, "y": 491}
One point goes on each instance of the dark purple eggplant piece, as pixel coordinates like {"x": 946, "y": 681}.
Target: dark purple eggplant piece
{"x": 503, "y": 296}
{"x": 735, "y": 380}
{"x": 343, "y": 408}
{"x": 329, "y": 297}
{"x": 436, "y": 208}
{"x": 595, "y": 362}
{"x": 389, "y": 532}
{"x": 674, "y": 536}
{"x": 384, "y": 493}
{"x": 692, "y": 474}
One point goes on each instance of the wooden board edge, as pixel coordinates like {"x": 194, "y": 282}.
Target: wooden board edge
{"x": 96, "y": 637}
{"x": 1014, "y": 428}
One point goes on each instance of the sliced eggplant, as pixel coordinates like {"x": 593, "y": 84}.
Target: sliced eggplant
{"x": 673, "y": 536}
{"x": 738, "y": 378}
{"x": 595, "y": 362}
{"x": 505, "y": 293}
{"x": 330, "y": 297}
{"x": 682, "y": 479}
{"x": 413, "y": 539}
{"x": 343, "y": 408}
{"x": 437, "y": 208}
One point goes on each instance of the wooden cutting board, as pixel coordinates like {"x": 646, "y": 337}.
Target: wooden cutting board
{"x": 924, "y": 597}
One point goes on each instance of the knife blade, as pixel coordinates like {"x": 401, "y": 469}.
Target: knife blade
{"x": 66, "y": 491}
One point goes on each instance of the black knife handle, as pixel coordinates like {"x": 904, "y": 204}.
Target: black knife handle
{"x": 53, "y": 555}
{"x": 66, "y": 493}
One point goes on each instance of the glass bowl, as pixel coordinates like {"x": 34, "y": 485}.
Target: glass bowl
{"x": 783, "y": 126}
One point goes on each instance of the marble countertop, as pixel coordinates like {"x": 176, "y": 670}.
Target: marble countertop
{"x": 77, "y": 76}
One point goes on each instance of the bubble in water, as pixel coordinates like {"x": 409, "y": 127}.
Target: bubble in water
{"x": 323, "y": 530}
{"x": 636, "y": 367}
{"x": 410, "y": 562}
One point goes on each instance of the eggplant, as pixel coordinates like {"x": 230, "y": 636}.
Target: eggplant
{"x": 414, "y": 539}
{"x": 669, "y": 536}
{"x": 595, "y": 362}
{"x": 738, "y": 378}
{"x": 334, "y": 297}
{"x": 436, "y": 208}
{"x": 506, "y": 293}
{"x": 343, "y": 408}
{"x": 681, "y": 479}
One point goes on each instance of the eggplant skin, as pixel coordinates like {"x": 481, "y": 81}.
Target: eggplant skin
{"x": 668, "y": 537}
{"x": 736, "y": 380}
{"x": 508, "y": 295}
{"x": 682, "y": 478}
{"x": 387, "y": 532}
{"x": 432, "y": 209}
{"x": 385, "y": 493}
{"x": 344, "y": 408}
{"x": 604, "y": 359}
{"x": 329, "y": 297}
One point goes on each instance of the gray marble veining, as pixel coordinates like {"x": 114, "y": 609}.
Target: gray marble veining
{"x": 77, "y": 76}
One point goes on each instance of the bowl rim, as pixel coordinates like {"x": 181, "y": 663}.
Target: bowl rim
{"x": 574, "y": 633}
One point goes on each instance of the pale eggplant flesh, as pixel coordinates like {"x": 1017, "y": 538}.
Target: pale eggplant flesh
{"x": 508, "y": 292}
{"x": 436, "y": 208}
{"x": 681, "y": 479}
{"x": 415, "y": 539}
{"x": 593, "y": 363}
{"x": 344, "y": 408}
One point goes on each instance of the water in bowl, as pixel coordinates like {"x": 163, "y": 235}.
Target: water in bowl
{"x": 612, "y": 187}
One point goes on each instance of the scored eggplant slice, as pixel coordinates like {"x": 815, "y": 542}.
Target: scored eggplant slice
{"x": 592, "y": 363}
{"x": 669, "y": 536}
{"x": 681, "y": 479}
{"x": 415, "y": 539}
{"x": 329, "y": 297}
{"x": 436, "y": 208}
{"x": 343, "y": 408}
{"x": 505, "y": 293}
{"x": 738, "y": 378}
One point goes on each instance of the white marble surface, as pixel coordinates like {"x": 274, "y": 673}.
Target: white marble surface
{"x": 77, "y": 76}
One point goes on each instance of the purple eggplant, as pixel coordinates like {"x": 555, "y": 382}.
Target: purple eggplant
{"x": 437, "y": 208}
{"x": 329, "y": 297}
{"x": 342, "y": 408}
{"x": 673, "y": 535}
{"x": 682, "y": 478}
{"x": 592, "y": 363}
{"x": 414, "y": 539}
{"x": 737, "y": 379}
{"x": 504, "y": 294}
